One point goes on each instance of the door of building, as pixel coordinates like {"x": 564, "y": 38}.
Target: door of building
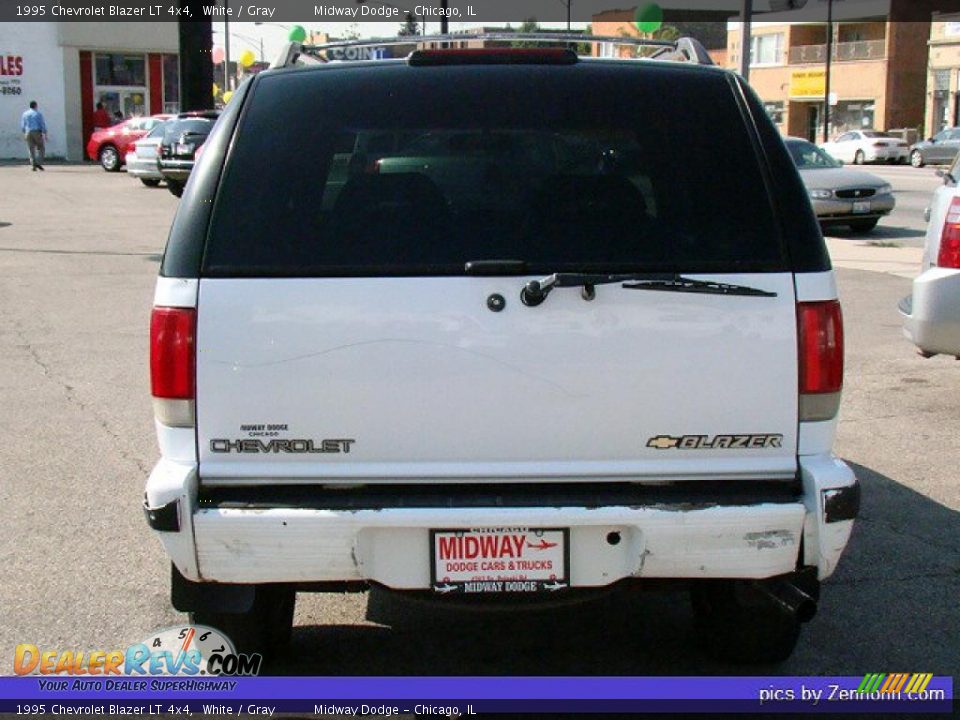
{"x": 813, "y": 122}
{"x": 128, "y": 101}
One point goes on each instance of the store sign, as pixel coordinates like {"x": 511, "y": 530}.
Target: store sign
{"x": 11, "y": 68}
{"x": 808, "y": 83}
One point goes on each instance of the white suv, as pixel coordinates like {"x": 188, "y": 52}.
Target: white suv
{"x": 931, "y": 315}
{"x": 535, "y": 348}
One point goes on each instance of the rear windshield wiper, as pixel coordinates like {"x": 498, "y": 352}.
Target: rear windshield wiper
{"x": 536, "y": 291}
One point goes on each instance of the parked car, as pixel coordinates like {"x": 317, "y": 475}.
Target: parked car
{"x": 840, "y": 196}
{"x": 931, "y": 314}
{"x": 941, "y": 149}
{"x": 867, "y": 146}
{"x": 626, "y": 368}
{"x": 109, "y": 146}
{"x": 182, "y": 137}
{"x": 141, "y": 161}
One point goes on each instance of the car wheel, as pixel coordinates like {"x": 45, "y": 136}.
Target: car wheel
{"x": 916, "y": 159}
{"x": 864, "y": 226}
{"x": 175, "y": 187}
{"x": 859, "y": 158}
{"x": 109, "y": 158}
{"x": 265, "y": 628}
{"x": 150, "y": 182}
{"x": 736, "y": 624}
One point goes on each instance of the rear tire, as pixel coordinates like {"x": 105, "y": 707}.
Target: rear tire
{"x": 109, "y": 158}
{"x": 265, "y": 628}
{"x": 150, "y": 182}
{"x": 735, "y": 623}
{"x": 863, "y": 226}
{"x": 859, "y": 158}
{"x": 175, "y": 187}
{"x": 916, "y": 159}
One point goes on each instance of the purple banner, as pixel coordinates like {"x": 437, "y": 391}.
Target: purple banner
{"x": 463, "y": 696}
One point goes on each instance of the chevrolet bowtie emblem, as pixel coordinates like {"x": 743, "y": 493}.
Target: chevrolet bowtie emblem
{"x": 663, "y": 442}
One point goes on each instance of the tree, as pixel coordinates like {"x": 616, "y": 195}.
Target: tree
{"x": 665, "y": 32}
{"x": 410, "y": 26}
{"x": 528, "y": 26}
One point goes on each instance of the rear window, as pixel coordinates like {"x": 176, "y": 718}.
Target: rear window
{"x": 175, "y": 128}
{"x": 394, "y": 170}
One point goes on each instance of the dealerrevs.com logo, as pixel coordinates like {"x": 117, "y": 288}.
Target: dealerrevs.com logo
{"x": 183, "y": 650}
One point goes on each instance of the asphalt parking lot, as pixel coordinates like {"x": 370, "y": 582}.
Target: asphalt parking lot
{"x": 79, "y": 250}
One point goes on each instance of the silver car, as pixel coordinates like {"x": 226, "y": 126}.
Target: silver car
{"x": 839, "y": 195}
{"x": 142, "y": 162}
{"x": 941, "y": 149}
{"x": 931, "y": 314}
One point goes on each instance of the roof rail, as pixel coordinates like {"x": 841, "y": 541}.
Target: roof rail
{"x": 684, "y": 49}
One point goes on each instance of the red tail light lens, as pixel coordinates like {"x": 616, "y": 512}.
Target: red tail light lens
{"x": 949, "y": 255}
{"x": 172, "y": 365}
{"x": 821, "y": 347}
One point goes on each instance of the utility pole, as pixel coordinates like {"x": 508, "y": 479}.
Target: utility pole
{"x": 444, "y": 22}
{"x": 745, "y": 22}
{"x": 196, "y": 68}
{"x": 826, "y": 79}
{"x": 226, "y": 47}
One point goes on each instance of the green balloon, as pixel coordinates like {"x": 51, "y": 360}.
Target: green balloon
{"x": 297, "y": 34}
{"x": 648, "y": 18}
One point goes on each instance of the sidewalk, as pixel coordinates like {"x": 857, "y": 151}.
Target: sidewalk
{"x": 861, "y": 255}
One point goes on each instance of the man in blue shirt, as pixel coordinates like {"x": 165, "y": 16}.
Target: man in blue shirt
{"x": 34, "y": 129}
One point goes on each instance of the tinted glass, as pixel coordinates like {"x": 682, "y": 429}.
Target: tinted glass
{"x": 158, "y": 130}
{"x": 590, "y": 167}
{"x": 175, "y": 128}
{"x": 875, "y": 134}
{"x": 808, "y": 156}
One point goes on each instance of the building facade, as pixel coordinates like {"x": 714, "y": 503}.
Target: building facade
{"x": 943, "y": 83}
{"x": 68, "y": 67}
{"x": 877, "y": 77}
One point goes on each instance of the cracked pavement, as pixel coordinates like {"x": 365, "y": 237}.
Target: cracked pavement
{"x": 78, "y": 261}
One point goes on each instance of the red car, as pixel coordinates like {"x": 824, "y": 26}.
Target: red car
{"x": 109, "y": 146}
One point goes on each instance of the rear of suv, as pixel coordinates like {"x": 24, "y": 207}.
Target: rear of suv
{"x": 534, "y": 348}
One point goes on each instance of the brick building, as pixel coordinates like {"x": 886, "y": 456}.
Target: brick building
{"x": 943, "y": 83}
{"x": 707, "y": 24}
{"x": 879, "y": 71}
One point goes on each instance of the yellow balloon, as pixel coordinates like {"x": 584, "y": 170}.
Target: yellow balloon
{"x": 227, "y": 95}
{"x": 216, "y": 89}
{"x": 247, "y": 58}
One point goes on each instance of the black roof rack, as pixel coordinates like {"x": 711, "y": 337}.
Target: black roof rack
{"x": 684, "y": 49}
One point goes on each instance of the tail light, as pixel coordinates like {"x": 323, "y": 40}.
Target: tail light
{"x": 949, "y": 255}
{"x": 879, "y": 144}
{"x": 820, "y": 328}
{"x": 172, "y": 365}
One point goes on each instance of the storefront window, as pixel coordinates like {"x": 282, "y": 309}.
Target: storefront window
{"x": 171, "y": 84}
{"x": 117, "y": 69}
{"x": 852, "y": 115}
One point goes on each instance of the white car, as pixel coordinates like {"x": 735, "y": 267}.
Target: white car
{"x": 868, "y": 146}
{"x": 931, "y": 315}
{"x": 547, "y": 358}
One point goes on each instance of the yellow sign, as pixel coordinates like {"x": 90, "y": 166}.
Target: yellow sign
{"x": 808, "y": 83}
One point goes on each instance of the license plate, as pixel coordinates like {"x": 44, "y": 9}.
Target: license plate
{"x": 184, "y": 149}
{"x": 862, "y": 206}
{"x": 499, "y": 560}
